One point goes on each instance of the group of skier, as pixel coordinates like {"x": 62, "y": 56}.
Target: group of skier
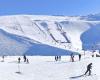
{"x": 72, "y": 57}
{"x": 57, "y": 58}
{"x": 25, "y": 59}
{"x": 89, "y": 66}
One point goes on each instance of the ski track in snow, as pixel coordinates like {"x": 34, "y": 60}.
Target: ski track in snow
{"x": 56, "y": 31}
{"x": 30, "y": 26}
{"x": 45, "y": 68}
{"x": 27, "y": 29}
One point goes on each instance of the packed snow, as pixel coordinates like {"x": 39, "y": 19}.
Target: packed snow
{"x": 46, "y": 68}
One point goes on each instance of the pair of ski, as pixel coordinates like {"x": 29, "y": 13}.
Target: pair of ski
{"x": 81, "y": 76}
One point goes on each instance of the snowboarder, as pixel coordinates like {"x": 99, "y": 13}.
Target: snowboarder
{"x": 24, "y": 57}
{"x": 89, "y": 67}
{"x": 79, "y": 57}
{"x": 19, "y": 60}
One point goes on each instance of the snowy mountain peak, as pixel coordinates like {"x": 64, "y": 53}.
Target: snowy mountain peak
{"x": 92, "y": 17}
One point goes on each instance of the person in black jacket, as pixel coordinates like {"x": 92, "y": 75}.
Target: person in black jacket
{"x": 79, "y": 57}
{"x": 27, "y": 60}
{"x": 72, "y": 57}
{"x": 24, "y": 57}
{"x": 19, "y": 60}
{"x": 89, "y": 67}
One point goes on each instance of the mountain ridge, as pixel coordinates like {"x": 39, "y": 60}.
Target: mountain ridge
{"x": 62, "y": 32}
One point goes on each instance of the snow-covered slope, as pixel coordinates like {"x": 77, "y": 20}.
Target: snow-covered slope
{"x": 11, "y": 44}
{"x": 45, "y": 68}
{"x": 61, "y": 32}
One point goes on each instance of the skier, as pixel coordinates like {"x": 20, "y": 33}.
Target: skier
{"x": 55, "y": 58}
{"x": 3, "y": 58}
{"x": 79, "y": 57}
{"x": 72, "y": 57}
{"x": 24, "y": 57}
{"x": 27, "y": 60}
{"x": 89, "y": 67}
{"x": 19, "y": 60}
{"x": 59, "y": 58}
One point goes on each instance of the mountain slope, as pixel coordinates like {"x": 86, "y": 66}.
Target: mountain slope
{"x": 45, "y": 29}
{"x": 16, "y": 45}
{"x": 63, "y": 32}
{"x": 92, "y": 17}
{"x": 91, "y": 38}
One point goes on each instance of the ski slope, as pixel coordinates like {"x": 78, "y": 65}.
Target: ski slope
{"x": 46, "y": 68}
{"x": 60, "y": 32}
